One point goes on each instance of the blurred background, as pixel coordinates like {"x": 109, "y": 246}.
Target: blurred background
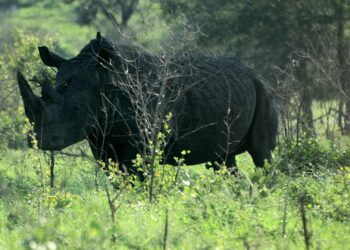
{"x": 301, "y": 48}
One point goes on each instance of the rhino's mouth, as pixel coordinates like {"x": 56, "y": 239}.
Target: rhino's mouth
{"x": 53, "y": 142}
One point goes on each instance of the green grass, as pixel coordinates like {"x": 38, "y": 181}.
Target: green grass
{"x": 206, "y": 211}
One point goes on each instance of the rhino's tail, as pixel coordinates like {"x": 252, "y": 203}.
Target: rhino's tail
{"x": 263, "y": 130}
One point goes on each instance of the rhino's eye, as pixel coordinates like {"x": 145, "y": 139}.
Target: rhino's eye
{"x": 76, "y": 109}
{"x": 62, "y": 87}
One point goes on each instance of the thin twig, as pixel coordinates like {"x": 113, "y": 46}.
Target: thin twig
{"x": 166, "y": 229}
{"x": 307, "y": 235}
{"x": 52, "y": 169}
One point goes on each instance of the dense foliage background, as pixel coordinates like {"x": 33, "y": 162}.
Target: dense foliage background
{"x": 302, "y": 199}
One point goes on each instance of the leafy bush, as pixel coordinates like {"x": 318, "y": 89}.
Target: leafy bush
{"x": 308, "y": 155}
{"x": 206, "y": 210}
{"x": 23, "y": 56}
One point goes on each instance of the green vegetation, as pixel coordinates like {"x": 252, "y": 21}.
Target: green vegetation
{"x": 48, "y": 22}
{"x": 193, "y": 208}
{"x": 205, "y": 210}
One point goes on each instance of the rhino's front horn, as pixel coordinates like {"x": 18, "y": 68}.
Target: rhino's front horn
{"x": 33, "y": 105}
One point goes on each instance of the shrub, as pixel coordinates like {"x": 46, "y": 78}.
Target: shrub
{"x": 308, "y": 155}
{"x": 23, "y": 56}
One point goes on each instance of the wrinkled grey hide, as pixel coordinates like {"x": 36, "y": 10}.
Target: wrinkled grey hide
{"x": 220, "y": 107}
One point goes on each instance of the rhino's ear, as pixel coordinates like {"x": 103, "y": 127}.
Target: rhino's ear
{"x": 50, "y": 58}
{"x": 99, "y": 36}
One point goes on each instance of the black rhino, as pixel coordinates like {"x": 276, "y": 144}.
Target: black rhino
{"x": 220, "y": 107}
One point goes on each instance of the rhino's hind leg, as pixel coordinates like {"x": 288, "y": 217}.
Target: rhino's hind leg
{"x": 214, "y": 165}
{"x": 258, "y": 157}
{"x": 231, "y": 165}
{"x": 261, "y": 139}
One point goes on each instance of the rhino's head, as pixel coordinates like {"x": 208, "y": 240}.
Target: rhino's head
{"x": 65, "y": 112}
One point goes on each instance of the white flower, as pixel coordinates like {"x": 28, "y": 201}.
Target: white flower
{"x": 186, "y": 183}
{"x": 51, "y": 245}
